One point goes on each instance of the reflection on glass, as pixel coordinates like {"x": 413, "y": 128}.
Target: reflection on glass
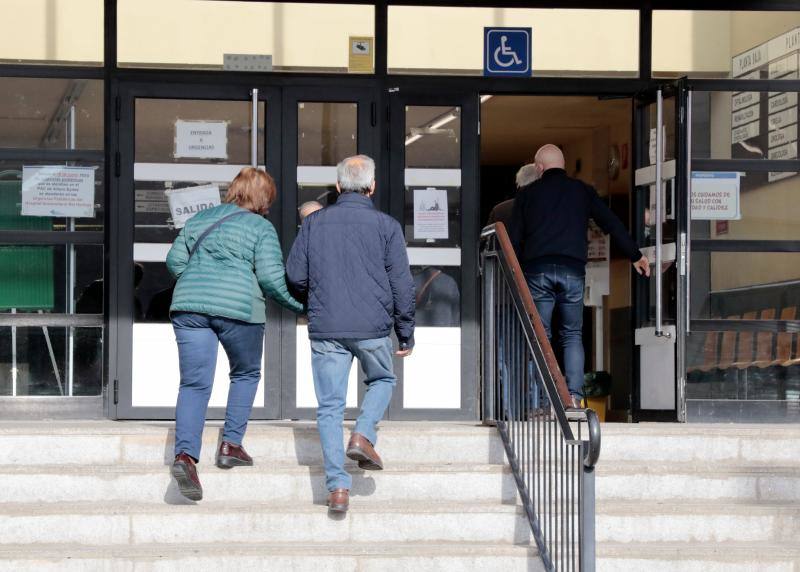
{"x": 42, "y": 361}
{"x": 37, "y": 278}
{"x": 158, "y": 122}
{"x": 34, "y": 112}
{"x": 743, "y": 365}
{"x": 725, "y": 44}
{"x": 438, "y": 300}
{"x": 731, "y": 285}
{"x": 326, "y": 132}
{"x": 433, "y": 137}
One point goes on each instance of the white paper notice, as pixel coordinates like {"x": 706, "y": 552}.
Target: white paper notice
{"x": 185, "y": 203}
{"x": 58, "y": 191}
{"x": 715, "y": 196}
{"x": 430, "y": 214}
{"x": 201, "y": 139}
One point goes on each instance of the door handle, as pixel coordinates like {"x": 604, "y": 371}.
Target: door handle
{"x": 254, "y": 129}
{"x": 659, "y": 215}
{"x": 688, "y": 235}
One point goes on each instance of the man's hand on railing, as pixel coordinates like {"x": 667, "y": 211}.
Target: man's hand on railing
{"x": 642, "y": 266}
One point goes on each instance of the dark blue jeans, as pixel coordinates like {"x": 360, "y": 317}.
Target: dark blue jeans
{"x": 556, "y": 287}
{"x": 198, "y": 337}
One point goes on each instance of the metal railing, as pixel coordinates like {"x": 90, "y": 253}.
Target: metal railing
{"x": 551, "y": 447}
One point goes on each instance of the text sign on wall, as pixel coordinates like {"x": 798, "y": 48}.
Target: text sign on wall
{"x": 58, "y": 191}
{"x": 201, "y": 139}
{"x": 715, "y": 196}
{"x": 185, "y": 203}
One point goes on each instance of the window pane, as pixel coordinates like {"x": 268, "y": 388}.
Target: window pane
{"x": 52, "y": 32}
{"x": 51, "y": 279}
{"x": 433, "y": 176}
{"x": 743, "y": 365}
{"x": 438, "y": 297}
{"x": 35, "y": 112}
{"x": 11, "y": 216}
{"x": 727, "y": 44}
{"x": 190, "y": 34}
{"x": 745, "y": 285}
{"x": 565, "y": 42}
{"x": 37, "y": 361}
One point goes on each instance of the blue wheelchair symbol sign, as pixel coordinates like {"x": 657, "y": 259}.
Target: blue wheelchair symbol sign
{"x": 507, "y": 51}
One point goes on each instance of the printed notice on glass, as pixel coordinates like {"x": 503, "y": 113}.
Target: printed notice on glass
{"x": 715, "y": 196}
{"x": 201, "y": 139}
{"x": 185, "y": 203}
{"x": 58, "y": 191}
{"x": 430, "y": 214}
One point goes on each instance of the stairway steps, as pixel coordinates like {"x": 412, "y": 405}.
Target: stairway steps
{"x": 263, "y": 483}
{"x": 207, "y": 523}
{"x": 698, "y": 557}
{"x": 257, "y": 557}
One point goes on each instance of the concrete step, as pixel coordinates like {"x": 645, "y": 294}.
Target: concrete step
{"x": 234, "y": 523}
{"x": 258, "y": 484}
{"x": 720, "y": 444}
{"x": 114, "y": 442}
{"x": 697, "y": 522}
{"x": 257, "y": 557}
{"x": 698, "y": 557}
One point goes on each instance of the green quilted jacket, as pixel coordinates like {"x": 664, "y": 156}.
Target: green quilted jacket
{"x": 235, "y": 267}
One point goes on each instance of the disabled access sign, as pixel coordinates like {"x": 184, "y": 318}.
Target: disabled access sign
{"x": 507, "y": 52}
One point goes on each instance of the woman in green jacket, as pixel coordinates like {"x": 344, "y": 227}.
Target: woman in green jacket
{"x": 227, "y": 260}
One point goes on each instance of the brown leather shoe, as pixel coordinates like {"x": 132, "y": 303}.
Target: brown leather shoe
{"x": 361, "y": 450}
{"x": 230, "y": 455}
{"x": 185, "y": 473}
{"x": 339, "y": 500}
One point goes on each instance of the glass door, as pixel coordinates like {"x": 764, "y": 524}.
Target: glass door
{"x": 321, "y": 128}
{"x": 433, "y": 160}
{"x": 178, "y": 139}
{"x": 659, "y": 207}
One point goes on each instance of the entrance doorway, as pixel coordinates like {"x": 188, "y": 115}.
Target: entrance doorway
{"x": 595, "y": 136}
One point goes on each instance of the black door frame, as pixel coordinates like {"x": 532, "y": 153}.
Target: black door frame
{"x": 120, "y": 245}
{"x": 469, "y": 102}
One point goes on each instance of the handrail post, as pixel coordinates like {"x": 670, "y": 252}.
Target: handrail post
{"x": 488, "y": 336}
{"x": 587, "y": 518}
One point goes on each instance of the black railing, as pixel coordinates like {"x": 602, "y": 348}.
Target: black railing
{"x": 552, "y": 447}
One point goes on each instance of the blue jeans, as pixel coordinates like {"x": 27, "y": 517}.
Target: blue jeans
{"x": 560, "y": 287}
{"x": 330, "y": 362}
{"x": 198, "y": 337}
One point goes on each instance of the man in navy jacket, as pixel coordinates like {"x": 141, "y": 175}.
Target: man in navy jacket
{"x": 549, "y": 225}
{"x": 351, "y": 261}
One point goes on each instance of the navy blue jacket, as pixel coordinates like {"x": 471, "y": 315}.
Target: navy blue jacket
{"x": 351, "y": 261}
{"x": 550, "y": 220}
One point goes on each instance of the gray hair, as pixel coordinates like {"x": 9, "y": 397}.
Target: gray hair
{"x": 356, "y": 174}
{"x": 526, "y": 175}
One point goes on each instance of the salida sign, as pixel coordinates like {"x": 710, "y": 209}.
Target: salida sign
{"x": 185, "y": 203}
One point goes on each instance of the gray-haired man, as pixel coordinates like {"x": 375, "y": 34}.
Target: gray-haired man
{"x": 351, "y": 260}
{"x": 526, "y": 175}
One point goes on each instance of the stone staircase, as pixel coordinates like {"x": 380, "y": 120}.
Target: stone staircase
{"x": 98, "y": 496}
{"x": 704, "y": 498}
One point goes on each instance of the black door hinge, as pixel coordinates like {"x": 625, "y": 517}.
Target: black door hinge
{"x": 118, "y": 109}
{"x": 117, "y": 164}
{"x": 116, "y": 391}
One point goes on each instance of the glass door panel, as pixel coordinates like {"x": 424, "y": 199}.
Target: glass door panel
{"x": 178, "y": 144}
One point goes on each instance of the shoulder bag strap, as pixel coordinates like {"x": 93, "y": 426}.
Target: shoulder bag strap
{"x": 207, "y": 231}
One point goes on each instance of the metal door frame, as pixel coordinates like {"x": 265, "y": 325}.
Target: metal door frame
{"x": 121, "y": 220}
{"x": 469, "y": 101}
{"x": 366, "y": 141}
{"x": 640, "y": 288}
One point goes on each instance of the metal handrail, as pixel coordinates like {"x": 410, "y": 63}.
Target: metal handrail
{"x": 552, "y": 448}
